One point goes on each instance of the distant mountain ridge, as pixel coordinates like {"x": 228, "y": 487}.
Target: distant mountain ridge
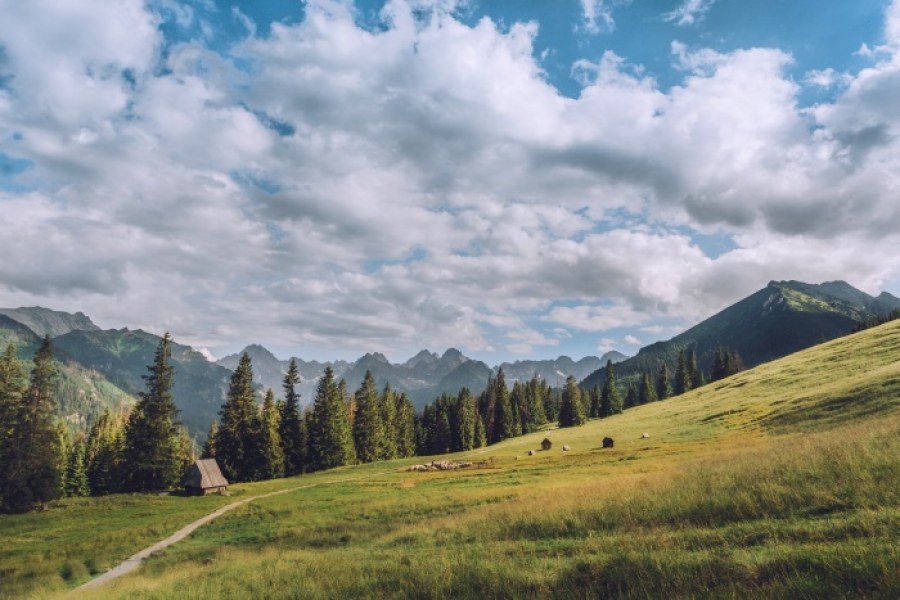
{"x": 423, "y": 377}
{"x": 43, "y": 321}
{"x": 780, "y": 319}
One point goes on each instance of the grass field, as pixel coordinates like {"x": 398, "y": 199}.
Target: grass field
{"x": 783, "y": 481}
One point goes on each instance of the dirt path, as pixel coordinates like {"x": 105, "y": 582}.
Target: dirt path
{"x": 133, "y": 562}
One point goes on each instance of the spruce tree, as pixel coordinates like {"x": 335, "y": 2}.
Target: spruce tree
{"x": 330, "y": 438}
{"x": 631, "y": 397}
{"x": 152, "y": 453}
{"x": 12, "y": 389}
{"x": 34, "y": 469}
{"x": 571, "y": 409}
{"x": 683, "y": 375}
{"x": 368, "y": 428}
{"x": 537, "y": 416}
{"x": 467, "y": 415}
{"x": 209, "y": 446}
{"x": 106, "y": 442}
{"x": 663, "y": 386}
{"x": 405, "y": 426}
{"x": 610, "y": 400}
{"x": 238, "y": 443}
{"x": 272, "y": 452}
{"x": 76, "y": 477}
{"x": 504, "y": 426}
{"x": 694, "y": 372}
{"x": 596, "y": 396}
{"x": 388, "y": 407}
{"x": 290, "y": 424}
{"x": 647, "y": 393}
{"x": 480, "y": 436}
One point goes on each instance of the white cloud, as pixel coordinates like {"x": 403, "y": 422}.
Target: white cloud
{"x": 597, "y": 15}
{"x": 630, "y": 339}
{"x": 353, "y": 190}
{"x": 690, "y": 12}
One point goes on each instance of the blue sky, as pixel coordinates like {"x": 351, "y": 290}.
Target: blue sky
{"x": 516, "y": 179}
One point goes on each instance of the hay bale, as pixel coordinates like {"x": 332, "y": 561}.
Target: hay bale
{"x": 644, "y": 436}
{"x": 566, "y": 448}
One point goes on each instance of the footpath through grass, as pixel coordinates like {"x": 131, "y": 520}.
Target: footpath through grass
{"x": 783, "y": 481}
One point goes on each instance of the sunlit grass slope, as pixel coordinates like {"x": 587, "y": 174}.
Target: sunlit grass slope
{"x": 782, "y": 481}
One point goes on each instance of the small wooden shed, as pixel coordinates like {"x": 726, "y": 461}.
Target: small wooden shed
{"x": 204, "y": 477}
{"x": 546, "y": 444}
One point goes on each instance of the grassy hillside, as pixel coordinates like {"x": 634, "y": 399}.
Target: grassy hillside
{"x": 782, "y": 481}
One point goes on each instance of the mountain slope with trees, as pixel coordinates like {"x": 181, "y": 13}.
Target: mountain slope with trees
{"x": 780, "y": 319}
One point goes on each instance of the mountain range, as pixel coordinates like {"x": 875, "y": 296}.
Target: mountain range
{"x": 780, "y": 319}
{"x": 103, "y": 369}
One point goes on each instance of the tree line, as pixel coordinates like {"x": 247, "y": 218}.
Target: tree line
{"x": 146, "y": 449}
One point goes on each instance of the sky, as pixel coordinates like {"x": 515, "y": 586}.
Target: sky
{"x": 513, "y": 178}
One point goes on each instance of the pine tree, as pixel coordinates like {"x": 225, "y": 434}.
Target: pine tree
{"x": 571, "y": 410}
{"x": 610, "y": 400}
{"x": 33, "y": 471}
{"x": 405, "y": 426}
{"x": 106, "y": 442}
{"x": 647, "y": 392}
{"x": 272, "y": 451}
{"x": 695, "y": 375}
{"x": 290, "y": 424}
{"x": 631, "y": 397}
{"x": 537, "y": 416}
{"x": 12, "y": 389}
{"x": 595, "y": 397}
{"x": 682, "y": 377}
{"x": 368, "y": 428}
{"x": 480, "y": 436}
{"x": 209, "y": 446}
{"x": 152, "y": 452}
{"x": 467, "y": 415}
{"x": 504, "y": 427}
{"x": 330, "y": 438}
{"x": 76, "y": 477}
{"x": 387, "y": 403}
{"x": 663, "y": 386}
{"x": 238, "y": 443}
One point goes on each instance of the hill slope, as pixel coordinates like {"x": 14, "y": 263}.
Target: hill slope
{"x": 782, "y": 318}
{"x": 122, "y": 356}
{"x": 778, "y": 482}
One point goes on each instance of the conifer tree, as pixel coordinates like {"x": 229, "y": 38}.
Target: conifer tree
{"x": 610, "y": 400}
{"x": 647, "y": 392}
{"x": 330, "y": 437}
{"x": 105, "y": 444}
{"x": 272, "y": 452}
{"x": 467, "y": 416}
{"x": 631, "y": 397}
{"x": 571, "y": 410}
{"x": 291, "y": 423}
{"x": 12, "y": 389}
{"x": 209, "y": 446}
{"x": 663, "y": 386}
{"x": 683, "y": 375}
{"x": 76, "y": 477}
{"x": 487, "y": 404}
{"x": 594, "y": 397}
{"x": 536, "y": 415}
{"x": 238, "y": 443}
{"x": 405, "y": 426}
{"x": 504, "y": 426}
{"x": 368, "y": 428}
{"x": 152, "y": 450}
{"x": 33, "y": 471}
{"x": 694, "y": 372}
{"x": 480, "y": 436}
{"x": 387, "y": 404}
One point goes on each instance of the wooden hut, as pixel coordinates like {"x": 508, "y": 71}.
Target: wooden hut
{"x": 546, "y": 444}
{"x": 204, "y": 477}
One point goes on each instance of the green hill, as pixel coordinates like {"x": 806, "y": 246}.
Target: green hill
{"x": 782, "y": 318}
{"x": 122, "y": 356}
{"x": 781, "y": 481}
{"x": 82, "y": 393}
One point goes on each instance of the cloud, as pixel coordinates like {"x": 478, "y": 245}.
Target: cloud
{"x": 597, "y": 15}
{"x": 690, "y": 12}
{"x": 337, "y": 189}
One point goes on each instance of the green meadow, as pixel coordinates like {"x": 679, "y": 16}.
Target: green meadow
{"x": 782, "y": 481}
